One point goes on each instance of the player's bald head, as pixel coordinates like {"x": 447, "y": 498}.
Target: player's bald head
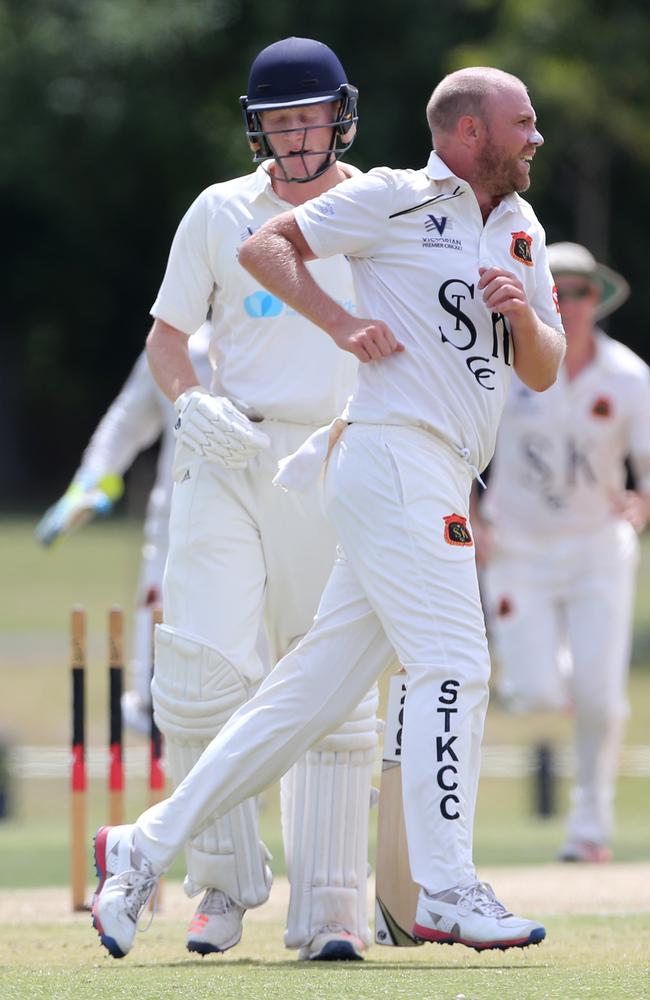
{"x": 465, "y": 92}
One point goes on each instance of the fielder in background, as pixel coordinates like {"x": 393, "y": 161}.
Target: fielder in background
{"x": 239, "y": 550}
{"x": 137, "y": 417}
{"x": 561, "y": 547}
{"x": 453, "y": 265}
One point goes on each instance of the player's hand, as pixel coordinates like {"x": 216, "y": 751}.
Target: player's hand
{"x": 632, "y": 507}
{"x": 211, "y": 426}
{"x": 85, "y": 498}
{"x": 367, "y": 339}
{"x": 504, "y": 293}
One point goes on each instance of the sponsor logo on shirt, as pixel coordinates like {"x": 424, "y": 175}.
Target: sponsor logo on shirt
{"x": 324, "y": 205}
{"x": 439, "y": 227}
{"x": 434, "y": 223}
{"x": 263, "y": 305}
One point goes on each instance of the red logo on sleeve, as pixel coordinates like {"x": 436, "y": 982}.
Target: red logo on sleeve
{"x": 602, "y": 407}
{"x": 521, "y": 248}
{"x": 456, "y": 530}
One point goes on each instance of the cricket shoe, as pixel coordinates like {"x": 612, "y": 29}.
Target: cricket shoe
{"x": 473, "y": 916}
{"x": 333, "y": 943}
{"x": 586, "y": 851}
{"x": 216, "y": 925}
{"x": 126, "y": 884}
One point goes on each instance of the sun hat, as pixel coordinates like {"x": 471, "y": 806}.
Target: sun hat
{"x": 572, "y": 258}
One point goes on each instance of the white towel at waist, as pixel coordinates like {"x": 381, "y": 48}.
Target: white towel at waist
{"x": 301, "y": 470}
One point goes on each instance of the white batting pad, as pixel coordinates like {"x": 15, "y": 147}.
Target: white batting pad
{"x": 325, "y": 807}
{"x": 195, "y": 690}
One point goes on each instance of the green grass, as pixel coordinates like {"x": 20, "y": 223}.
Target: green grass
{"x": 590, "y": 956}
{"x": 98, "y": 567}
{"x": 600, "y": 958}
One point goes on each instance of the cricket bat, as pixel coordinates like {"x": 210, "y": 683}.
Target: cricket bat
{"x": 396, "y": 893}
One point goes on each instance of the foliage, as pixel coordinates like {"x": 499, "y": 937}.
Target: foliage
{"x": 116, "y": 113}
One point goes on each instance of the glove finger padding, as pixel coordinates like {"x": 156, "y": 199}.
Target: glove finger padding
{"x": 213, "y": 427}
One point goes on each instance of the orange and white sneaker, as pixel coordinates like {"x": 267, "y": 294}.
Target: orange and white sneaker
{"x": 587, "y": 851}
{"x": 216, "y": 925}
{"x": 333, "y": 943}
{"x": 473, "y": 916}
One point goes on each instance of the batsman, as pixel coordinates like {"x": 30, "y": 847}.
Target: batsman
{"x": 239, "y": 550}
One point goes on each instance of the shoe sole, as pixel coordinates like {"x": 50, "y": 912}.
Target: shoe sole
{"x": 421, "y": 933}
{"x": 99, "y": 851}
{"x": 337, "y": 951}
{"x": 205, "y": 948}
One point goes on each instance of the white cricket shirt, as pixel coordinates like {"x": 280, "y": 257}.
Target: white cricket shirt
{"x": 415, "y": 240}
{"x": 561, "y": 453}
{"x": 265, "y": 354}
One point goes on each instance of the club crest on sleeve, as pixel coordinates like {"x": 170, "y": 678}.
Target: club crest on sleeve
{"x": 602, "y": 407}
{"x": 521, "y": 248}
{"x": 504, "y": 607}
{"x": 456, "y": 530}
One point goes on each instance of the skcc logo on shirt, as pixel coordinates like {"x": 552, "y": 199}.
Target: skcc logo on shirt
{"x": 263, "y": 305}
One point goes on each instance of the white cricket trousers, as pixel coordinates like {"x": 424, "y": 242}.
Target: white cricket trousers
{"x": 548, "y": 596}
{"x": 406, "y": 579}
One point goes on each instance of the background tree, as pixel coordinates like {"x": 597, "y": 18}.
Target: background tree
{"x": 116, "y": 113}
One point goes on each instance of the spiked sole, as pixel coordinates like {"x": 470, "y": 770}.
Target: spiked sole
{"x": 206, "y": 948}
{"x": 427, "y": 934}
{"x": 337, "y": 951}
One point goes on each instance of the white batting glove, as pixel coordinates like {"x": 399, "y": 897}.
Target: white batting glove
{"x": 213, "y": 427}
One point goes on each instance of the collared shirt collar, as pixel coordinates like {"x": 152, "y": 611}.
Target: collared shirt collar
{"x": 438, "y": 170}
{"x": 263, "y": 184}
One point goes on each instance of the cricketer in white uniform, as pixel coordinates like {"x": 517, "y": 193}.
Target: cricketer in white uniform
{"x": 239, "y": 550}
{"x": 138, "y": 416}
{"x": 560, "y": 572}
{"x": 454, "y": 263}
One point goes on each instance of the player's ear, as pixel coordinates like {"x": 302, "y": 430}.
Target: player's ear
{"x": 469, "y": 129}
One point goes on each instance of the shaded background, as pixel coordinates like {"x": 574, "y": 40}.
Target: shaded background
{"x": 114, "y": 114}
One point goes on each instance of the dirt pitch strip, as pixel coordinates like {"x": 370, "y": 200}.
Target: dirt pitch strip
{"x": 535, "y": 891}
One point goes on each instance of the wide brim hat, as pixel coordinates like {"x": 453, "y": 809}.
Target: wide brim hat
{"x": 572, "y": 258}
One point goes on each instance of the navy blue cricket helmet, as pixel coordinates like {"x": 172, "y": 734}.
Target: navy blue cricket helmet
{"x": 292, "y": 73}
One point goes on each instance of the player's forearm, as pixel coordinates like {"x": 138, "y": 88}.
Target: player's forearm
{"x": 276, "y": 256}
{"x": 169, "y": 359}
{"x": 539, "y": 350}
{"x": 132, "y": 422}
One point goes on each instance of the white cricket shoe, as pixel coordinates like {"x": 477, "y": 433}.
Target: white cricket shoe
{"x": 585, "y": 851}
{"x": 473, "y": 916}
{"x": 216, "y": 925}
{"x": 126, "y": 884}
{"x": 333, "y": 943}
